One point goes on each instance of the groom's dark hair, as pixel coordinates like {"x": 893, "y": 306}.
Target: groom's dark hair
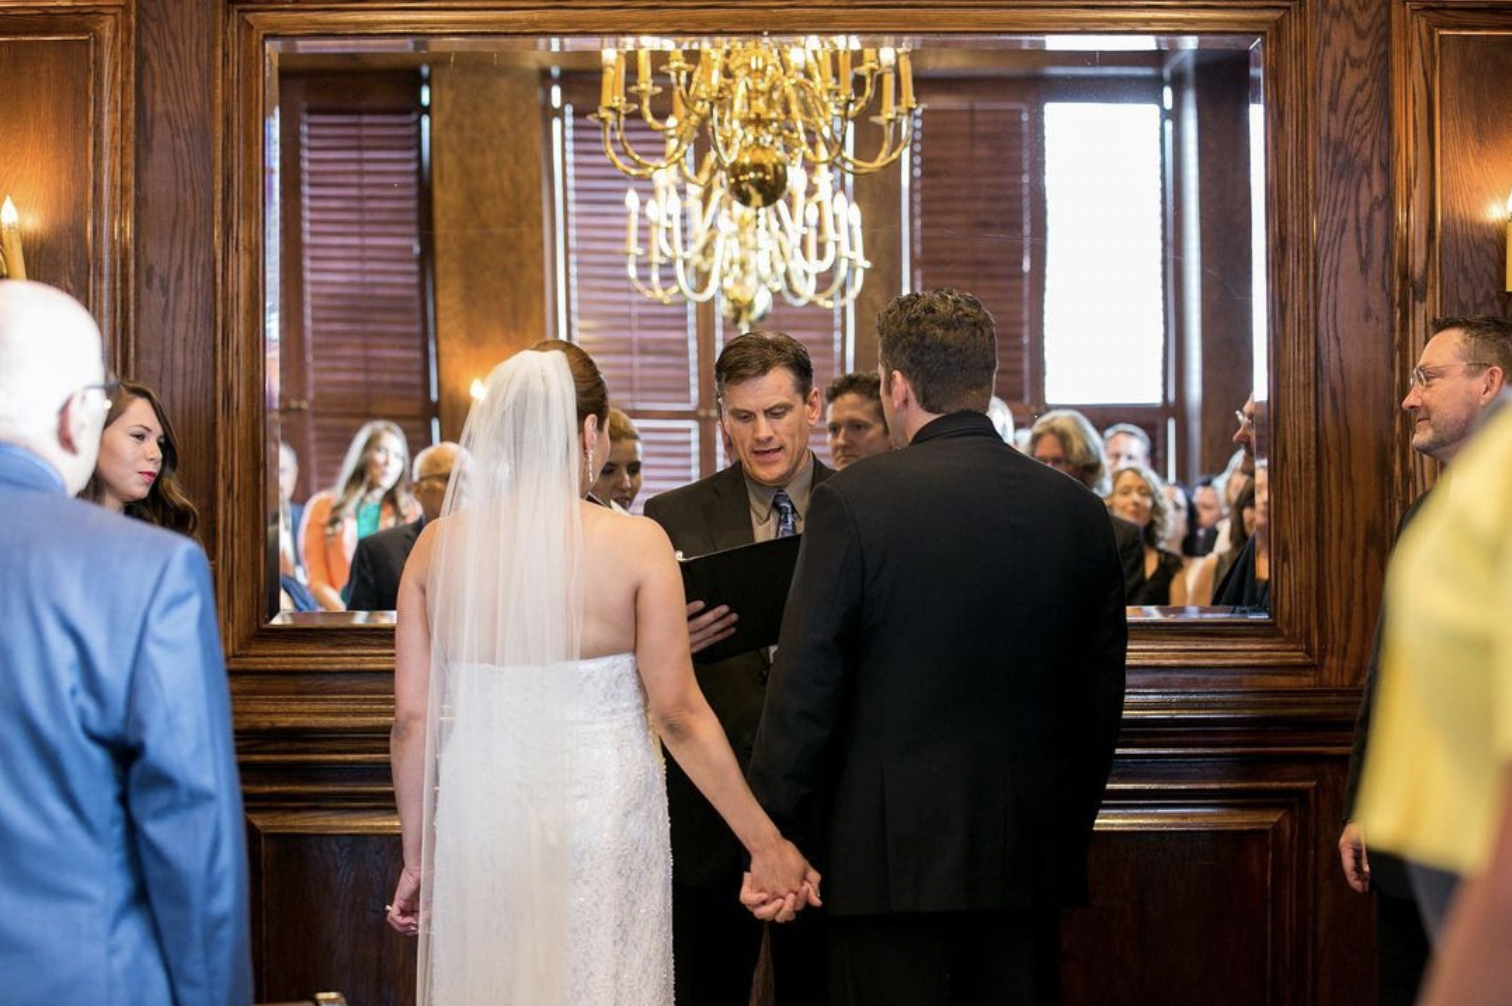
{"x": 943, "y": 342}
{"x": 592, "y": 392}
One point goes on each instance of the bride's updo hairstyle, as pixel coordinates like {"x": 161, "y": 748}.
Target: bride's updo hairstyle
{"x": 592, "y": 392}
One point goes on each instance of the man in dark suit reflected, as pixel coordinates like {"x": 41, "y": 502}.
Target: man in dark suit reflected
{"x": 768, "y": 407}
{"x": 379, "y": 560}
{"x": 941, "y": 717}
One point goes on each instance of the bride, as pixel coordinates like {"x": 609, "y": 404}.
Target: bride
{"x": 537, "y": 869}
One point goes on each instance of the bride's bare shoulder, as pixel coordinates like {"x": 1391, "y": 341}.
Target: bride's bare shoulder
{"x": 626, "y": 535}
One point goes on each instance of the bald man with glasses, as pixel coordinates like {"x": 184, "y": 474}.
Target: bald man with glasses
{"x": 125, "y": 880}
{"x": 1461, "y": 371}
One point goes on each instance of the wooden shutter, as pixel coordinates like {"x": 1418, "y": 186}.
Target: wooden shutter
{"x": 974, "y": 191}
{"x": 353, "y": 221}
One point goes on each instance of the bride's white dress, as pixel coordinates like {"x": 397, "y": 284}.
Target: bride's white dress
{"x": 550, "y": 796}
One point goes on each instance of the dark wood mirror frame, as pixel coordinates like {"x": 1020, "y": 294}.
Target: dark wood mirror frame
{"x": 1185, "y": 657}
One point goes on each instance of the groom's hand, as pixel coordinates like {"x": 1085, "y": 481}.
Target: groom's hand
{"x": 713, "y": 626}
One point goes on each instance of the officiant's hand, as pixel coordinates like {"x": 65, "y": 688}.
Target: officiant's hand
{"x": 404, "y": 913}
{"x": 713, "y": 626}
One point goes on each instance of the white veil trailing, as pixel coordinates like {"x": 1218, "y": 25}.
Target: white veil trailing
{"x": 505, "y": 605}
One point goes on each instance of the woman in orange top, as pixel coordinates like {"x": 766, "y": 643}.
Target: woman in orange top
{"x": 372, "y": 493}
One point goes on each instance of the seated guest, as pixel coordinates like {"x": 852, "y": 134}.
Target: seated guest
{"x": 1138, "y": 497}
{"x": 1247, "y": 584}
{"x": 1067, "y": 441}
{"x": 1178, "y": 519}
{"x": 372, "y": 493}
{"x": 1126, "y": 444}
{"x": 136, "y": 473}
{"x": 619, "y": 481}
{"x": 1002, "y": 420}
{"x": 1210, "y": 570}
{"x": 294, "y": 589}
{"x": 379, "y": 559}
{"x": 853, "y": 418}
{"x": 1210, "y": 508}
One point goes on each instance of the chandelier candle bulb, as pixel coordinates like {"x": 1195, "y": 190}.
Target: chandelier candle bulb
{"x": 10, "y": 240}
{"x": 1509, "y": 242}
{"x": 632, "y": 220}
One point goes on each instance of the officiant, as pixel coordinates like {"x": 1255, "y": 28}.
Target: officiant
{"x": 768, "y": 407}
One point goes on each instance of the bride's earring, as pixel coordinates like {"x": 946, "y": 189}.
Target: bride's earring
{"x": 588, "y": 464}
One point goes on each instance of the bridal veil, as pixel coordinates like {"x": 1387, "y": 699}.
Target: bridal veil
{"x": 505, "y": 604}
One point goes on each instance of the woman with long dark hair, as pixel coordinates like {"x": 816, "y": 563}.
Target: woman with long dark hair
{"x": 137, "y": 470}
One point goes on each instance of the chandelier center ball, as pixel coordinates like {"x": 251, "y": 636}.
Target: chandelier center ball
{"x": 758, "y": 177}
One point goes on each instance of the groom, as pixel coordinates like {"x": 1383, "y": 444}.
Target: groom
{"x": 940, "y": 720}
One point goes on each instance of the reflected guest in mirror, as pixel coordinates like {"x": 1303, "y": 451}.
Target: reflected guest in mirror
{"x": 137, "y": 470}
{"x": 1209, "y": 508}
{"x": 1206, "y": 573}
{"x": 1067, "y": 441}
{"x": 1125, "y": 445}
{"x": 1247, "y": 584}
{"x": 379, "y": 560}
{"x": 293, "y": 588}
{"x": 1179, "y": 520}
{"x": 1138, "y": 496}
{"x": 372, "y": 493}
{"x": 854, "y": 425}
{"x": 619, "y": 481}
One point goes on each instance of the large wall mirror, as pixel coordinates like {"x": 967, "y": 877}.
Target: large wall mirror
{"x": 430, "y": 201}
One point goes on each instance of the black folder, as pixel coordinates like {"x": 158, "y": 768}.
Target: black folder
{"x": 753, "y": 580}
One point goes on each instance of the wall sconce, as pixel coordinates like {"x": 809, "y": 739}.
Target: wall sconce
{"x": 478, "y": 390}
{"x": 13, "y": 265}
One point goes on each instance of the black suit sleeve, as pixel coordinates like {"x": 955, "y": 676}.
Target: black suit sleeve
{"x": 807, "y": 689}
{"x": 362, "y": 585}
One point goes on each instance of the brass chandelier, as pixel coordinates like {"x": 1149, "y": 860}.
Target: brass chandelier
{"x": 756, "y": 109}
{"x": 806, "y": 248}
{"x": 751, "y": 138}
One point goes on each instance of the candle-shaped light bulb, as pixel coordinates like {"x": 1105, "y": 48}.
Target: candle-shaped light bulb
{"x": 887, "y": 56}
{"x": 1509, "y": 242}
{"x": 10, "y": 240}
{"x": 606, "y": 90}
{"x": 632, "y": 219}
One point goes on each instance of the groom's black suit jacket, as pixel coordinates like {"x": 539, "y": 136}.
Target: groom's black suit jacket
{"x": 710, "y": 515}
{"x": 941, "y": 716}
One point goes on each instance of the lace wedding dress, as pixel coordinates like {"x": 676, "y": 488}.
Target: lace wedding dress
{"x": 546, "y": 862}
{"x": 617, "y": 886}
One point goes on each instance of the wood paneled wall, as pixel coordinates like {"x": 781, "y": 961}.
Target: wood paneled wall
{"x": 1214, "y": 874}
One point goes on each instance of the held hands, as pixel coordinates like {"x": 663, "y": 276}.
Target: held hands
{"x": 711, "y": 627}
{"x": 1353, "y": 857}
{"x": 404, "y": 914}
{"x": 779, "y": 884}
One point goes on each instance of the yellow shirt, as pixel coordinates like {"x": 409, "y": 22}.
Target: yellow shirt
{"x": 1443, "y": 728}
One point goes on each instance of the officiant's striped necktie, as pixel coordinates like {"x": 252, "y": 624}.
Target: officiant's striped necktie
{"x": 787, "y": 515}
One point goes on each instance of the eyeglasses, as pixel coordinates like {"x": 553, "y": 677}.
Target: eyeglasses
{"x": 1422, "y": 377}
{"x": 1246, "y": 421}
{"x": 443, "y": 476}
{"x": 107, "y": 390}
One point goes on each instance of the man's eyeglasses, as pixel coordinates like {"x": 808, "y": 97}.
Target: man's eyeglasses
{"x": 106, "y": 389}
{"x": 442, "y": 476}
{"x": 1422, "y": 377}
{"x": 1246, "y": 421}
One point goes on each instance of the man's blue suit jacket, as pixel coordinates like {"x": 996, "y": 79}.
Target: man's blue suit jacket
{"x": 123, "y": 871}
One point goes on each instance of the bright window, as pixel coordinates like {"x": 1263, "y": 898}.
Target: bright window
{"x": 1104, "y": 294}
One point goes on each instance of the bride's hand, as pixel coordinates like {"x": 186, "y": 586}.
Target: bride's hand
{"x": 780, "y": 883}
{"x": 404, "y": 913}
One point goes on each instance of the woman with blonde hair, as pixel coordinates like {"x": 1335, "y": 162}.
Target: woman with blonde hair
{"x": 371, "y": 493}
{"x": 1138, "y": 496}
